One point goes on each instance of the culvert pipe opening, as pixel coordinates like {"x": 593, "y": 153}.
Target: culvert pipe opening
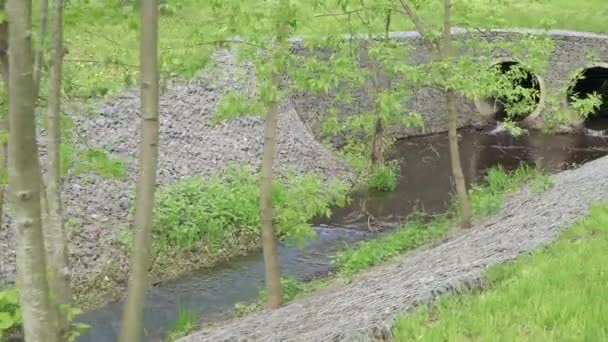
{"x": 523, "y": 103}
{"x": 592, "y": 80}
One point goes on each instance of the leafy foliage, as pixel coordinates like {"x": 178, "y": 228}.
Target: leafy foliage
{"x": 550, "y": 295}
{"x": 226, "y": 206}
{"x": 10, "y": 313}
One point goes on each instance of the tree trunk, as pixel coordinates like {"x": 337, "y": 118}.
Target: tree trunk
{"x": 3, "y": 121}
{"x": 44, "y": 11}
{"x": 131, "y": 326}
{"x": 24, "y": 178}
{"x": 461, "y": 188}
{"x": 377, "y": 153}
{"x": 269, "y": 243}
{"x": 55, "y": 236}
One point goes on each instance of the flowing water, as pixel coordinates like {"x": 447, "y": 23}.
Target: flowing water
{"x": 424, "y": 186}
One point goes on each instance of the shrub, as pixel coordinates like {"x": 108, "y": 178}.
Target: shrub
{"x": 384, "y": 177}
{"x": 225, "y": 207}
{"x": 10, "y": 313}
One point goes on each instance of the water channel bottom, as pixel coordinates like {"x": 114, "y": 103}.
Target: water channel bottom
{"x": 425, "y": 185}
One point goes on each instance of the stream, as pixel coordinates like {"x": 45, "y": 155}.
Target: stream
{"x": 424, "y": 186}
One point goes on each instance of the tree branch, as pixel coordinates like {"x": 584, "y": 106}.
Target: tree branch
{"x": 420, "y": 27}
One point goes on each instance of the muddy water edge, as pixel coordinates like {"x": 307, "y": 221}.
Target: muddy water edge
{"x": 424, "y": 185}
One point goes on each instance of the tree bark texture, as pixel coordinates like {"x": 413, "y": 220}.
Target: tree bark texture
{"x": 24, "y": 178}
{"x": 44, "y": 12}
{"x": 131, "y": 327}
{"x": 55, "y": 235}
{"x": 458, "y": 174}
{"x": 377, "y": 148}
{"x": 269, "y": 243}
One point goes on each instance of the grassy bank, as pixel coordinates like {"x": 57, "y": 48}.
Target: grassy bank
{"x": 556, "y": 294}
{"x": 199, "y": 222}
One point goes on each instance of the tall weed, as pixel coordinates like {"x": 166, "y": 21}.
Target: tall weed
{"x": 225, "y": 207}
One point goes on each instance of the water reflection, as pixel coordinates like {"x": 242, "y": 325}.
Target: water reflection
{"x": 426, "y": 182}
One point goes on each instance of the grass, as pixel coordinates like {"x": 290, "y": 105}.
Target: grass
{"x": 489, "y": 197}
{"x": 370, "y": 253}
{"x": 102, "y": 36}
{"x": 384, "y": 177}
{"x": 291, "y": 289}
{"x": 555, "y": 294}
{"x": 185, "y": 323}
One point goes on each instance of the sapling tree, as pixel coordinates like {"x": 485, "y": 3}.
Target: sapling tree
{"x": 131, "y": 325}
{"x": 366, "y": 63}
{"x": 262, "y": 32}
{"x": 25, "y": 177}
{"x": 55, "y": 235}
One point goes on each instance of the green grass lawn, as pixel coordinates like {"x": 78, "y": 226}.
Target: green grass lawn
{"x": 559, "y": 293}
{"x": 104, "y": 51}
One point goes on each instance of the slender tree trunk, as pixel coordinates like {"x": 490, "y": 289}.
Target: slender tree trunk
{"x": 55, "y": 236}
{"x": 24, "y": 178}
{"x": 377, "y": 148}
{"x": 461, "y": 188}
{"x": 269, "y": 243}
{"x": 131, "y": 327}
{"x": 3, "y": 121}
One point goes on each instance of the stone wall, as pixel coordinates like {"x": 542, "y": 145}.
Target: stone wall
{"x": 572, "y": 51}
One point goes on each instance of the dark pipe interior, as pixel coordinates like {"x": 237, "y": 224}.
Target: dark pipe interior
{"x": 529, "y": 82}
{"x": 593, "y": 80}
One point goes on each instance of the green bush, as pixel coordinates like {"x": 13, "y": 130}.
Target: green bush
{"x": 225, "y": 207}
{"x": 384, "y": 177}
{"x": 10, "y": 313}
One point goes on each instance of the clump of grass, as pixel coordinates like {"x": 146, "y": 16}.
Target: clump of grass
{"x": 291, "y": 288}
{"x": 370, "y": 253}
{"x": 488, "y": 198}
{"x": 184, "y": 324}
{"x": 384, "y": 177}
{"x": 556, "y": 294}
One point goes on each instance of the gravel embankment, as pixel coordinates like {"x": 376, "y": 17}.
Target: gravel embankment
{"x": 366, "y": 308}
{"x": 190, "y": 145}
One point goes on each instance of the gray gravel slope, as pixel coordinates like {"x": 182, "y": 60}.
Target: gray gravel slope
{"x": 371, "y": 302}
{"x": 190, "y": 145}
